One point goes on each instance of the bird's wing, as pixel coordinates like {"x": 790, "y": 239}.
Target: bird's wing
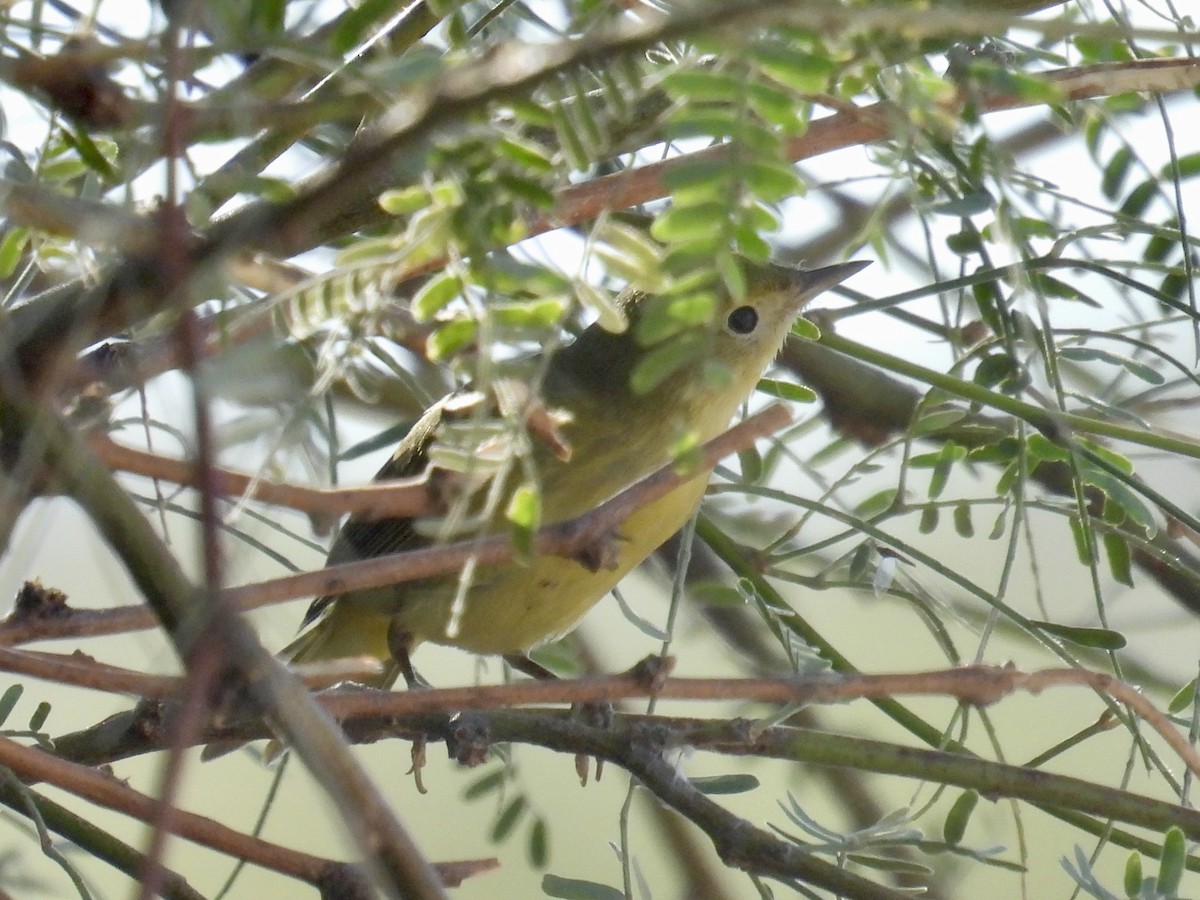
{"x": 364, "y": 540}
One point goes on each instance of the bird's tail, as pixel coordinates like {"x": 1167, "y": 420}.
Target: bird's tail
{"x": 348, "y": 630}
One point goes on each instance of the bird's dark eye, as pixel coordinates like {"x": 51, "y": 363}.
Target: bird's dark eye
{"x": 742, "y": 320}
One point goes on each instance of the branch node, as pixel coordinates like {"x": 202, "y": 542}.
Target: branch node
{"x": 469, "y": 739}
{"x": 37, "y": 603}
{"x": 340, "y": 881}
{"x": 652, "y": 672}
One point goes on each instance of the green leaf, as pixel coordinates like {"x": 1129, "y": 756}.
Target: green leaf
{"x": 665, "y": 360}
{"x": 1117, "y": 492}
{"x": 999, "y": 526}
{"x": 1098, "y": 638}
{"x": 732, "y": 276}
{"x": 529, "y": 315}
{"x": 1138, "y": 369}
{"x": 664, "y": 317}
{"x": 806, "y": 73}
{"x": 11, "y": 248}
{"x": 1183, "y": 698}
{"x": 641, "y": 254}
{"x": 1189, "y": 167}
{"x": 1139, "y": 198}
{"x": 1082, "y": 545}
{"x": 929, "y": 519}
{"x": 1171, "y": 863}
{"x": 418, "y": 64}
{"x": 965, "y": 242}
{"x": 404, "y": 201}
{"x": 531, "y": 113}
{"x": 355, "y": 22}
{"x": 539, "y": 844}
{"x": 682, "y": 224}
{"x": 1042, "y": 449}
{"x": 569, "y": 138}
{"x": 859, "y": 561}
{"x": 750, "y": 243}
{"x": 1116, "y": 548}
{"x": 711, "y": 593}
{"x": 890, "y": 864}
{"x": 995, "y": 369}
{"x": 611, "y": 315}
{"x": 449, "y": 338}
{"x": 775, "y": 105}
{"x": 1115, "y": 172}
{"x": 877, "y": 503}
{"x": 761, "y": 218}
{"x": 9, "y": 700}
{"x": 771, "y": 181}
{"x": 38, "y": 719}
{"x": 959, "y": 815}
{"x": 526, "y": 189}
{"x": 435, "y": 295}
{"x": 1133, "y": 875}
{"x": 695, "y": 173}
{"x": 962, "y": 520}
{"x": 1001, "y": 451}
{"x": 526, "y": 154}
{"x": 704, "y": 122}
{"x": 937, "y": 420}
{"x": 91, "y": 154}
{"x": 941, "y": 475}
{"x": 750, "y": 462}
{"x": 724, "y": 784}
{"x": 966, "y": 206}
{"x": 525, "y": 513}
{"x": 508, "y": 819}
{"x": 577, "y": 889}
{"x": 490, "y": 782}
{"x": 704, "y": 86}
{"x": 806, "y": 330}
{"x": 786, "y": 390}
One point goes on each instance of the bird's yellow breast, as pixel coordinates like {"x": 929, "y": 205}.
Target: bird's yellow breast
{"x": 514, "y": 607}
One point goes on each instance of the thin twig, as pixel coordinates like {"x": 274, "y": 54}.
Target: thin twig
{"x": 408, "y": 497}
{"x": 33, "y": 765}
{"x": 180, "y": 607}
{"x": 566, "y": 539}
{"x": 579, "y": 537}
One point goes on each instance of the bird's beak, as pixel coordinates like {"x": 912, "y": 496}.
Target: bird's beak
{"x": 811, "y": 282}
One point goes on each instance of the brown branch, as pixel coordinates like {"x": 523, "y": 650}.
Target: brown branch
{"x": 865, "y": 125}
{"x": 640, "y": 743}
{"x": 631, "y": 187}
{"x": 583, "y": 536}
{"x": 33, "y": 765}
{"x": 91, "y": 839}
{"x": 184, "y": 613}
{"x": 80, "y": 670}
{"x": 392, "y": 499}
{"x": 343, "y": 195}
{"x": 977, "y": 685}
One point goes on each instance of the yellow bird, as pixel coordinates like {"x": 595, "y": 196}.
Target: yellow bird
{"x": 615, "y": 436}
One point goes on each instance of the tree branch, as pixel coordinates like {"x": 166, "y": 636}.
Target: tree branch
{"x": 185, "y": 615}
{"x": 584, "y": 537}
